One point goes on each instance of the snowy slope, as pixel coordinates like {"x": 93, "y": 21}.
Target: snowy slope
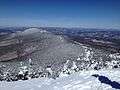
{"x": 54, "y": 54}
{"x": 32, "y": 30}
{"x": 77, "y": 81}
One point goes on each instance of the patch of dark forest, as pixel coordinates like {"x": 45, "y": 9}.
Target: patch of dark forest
{"x": 112, "y": 48}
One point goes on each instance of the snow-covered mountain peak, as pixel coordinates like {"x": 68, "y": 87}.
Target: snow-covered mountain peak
{"x": 33, "y": 30}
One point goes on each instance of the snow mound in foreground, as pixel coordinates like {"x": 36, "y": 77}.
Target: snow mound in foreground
{"x": 77, "y": 81}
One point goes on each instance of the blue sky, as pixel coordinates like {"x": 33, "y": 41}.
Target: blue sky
{"x": 65, "y": 13}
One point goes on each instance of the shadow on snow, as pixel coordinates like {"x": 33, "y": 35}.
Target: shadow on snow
{"x": 106, "y": 80}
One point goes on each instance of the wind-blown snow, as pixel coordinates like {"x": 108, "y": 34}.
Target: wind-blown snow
{"x": 77, "y": 81}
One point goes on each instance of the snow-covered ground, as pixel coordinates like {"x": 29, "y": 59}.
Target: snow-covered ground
{"x": 55, "y": 55}
{"x": 78, "y": 81}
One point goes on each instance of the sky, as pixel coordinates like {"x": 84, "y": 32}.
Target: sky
{"x": 62, "y": 13}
